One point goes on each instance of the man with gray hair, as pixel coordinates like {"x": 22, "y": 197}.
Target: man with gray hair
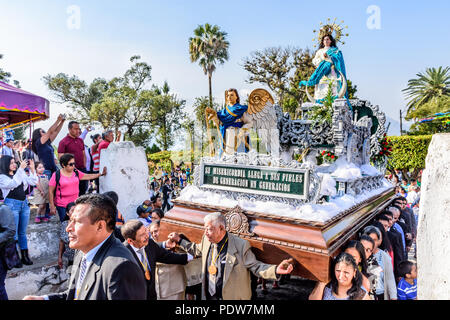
{"x": 396, "y": 225}
{"x": 227, "y": 261}
{"x": 147, "y": 252}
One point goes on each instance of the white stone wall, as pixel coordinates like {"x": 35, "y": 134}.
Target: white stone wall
{"x": 127, "y": 174}
{"x": 433, "y": 236}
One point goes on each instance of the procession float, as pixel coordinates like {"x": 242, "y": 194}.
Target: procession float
{"x": 294, "y": 188}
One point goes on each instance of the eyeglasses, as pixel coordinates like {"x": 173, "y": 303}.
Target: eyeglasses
{"x": 71, "y": 164}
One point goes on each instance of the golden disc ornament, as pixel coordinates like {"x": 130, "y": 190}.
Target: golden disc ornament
{"x": 212, "y": 269}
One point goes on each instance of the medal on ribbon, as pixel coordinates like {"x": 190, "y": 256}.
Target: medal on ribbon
{"x": 212, "y": 269}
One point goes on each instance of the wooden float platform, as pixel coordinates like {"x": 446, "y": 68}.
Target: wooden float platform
{"x": 274, "y": 238}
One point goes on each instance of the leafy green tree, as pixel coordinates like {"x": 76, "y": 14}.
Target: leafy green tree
{"x": 189, "y": 126}
{"x": 199, "y": 106}
{"x": 22, "y": 132}
{"x": 166, "y": 112}
{"x": 351, "y": 89}
{"x": 141, "y": 137}
{"x": 126, "y": 102}
{"x": 271, "y": 67}
{"x": 121, "y": 102}
{"x": 303, "y": 68}
{"x": 6, "y": 76}
{"x": 428, "y": 93}
{"x": 153, "y": 149}
{"x": 110, "y": 111}
{"x": 409, "y": 153}
{"x": 76, "y": 93}
{"x": 210, "y": 48}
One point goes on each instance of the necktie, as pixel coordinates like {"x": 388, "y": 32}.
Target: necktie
{"x": 83, "y": 267}
{"x": 144, "y": 262}
{"x": 212, "y": 277}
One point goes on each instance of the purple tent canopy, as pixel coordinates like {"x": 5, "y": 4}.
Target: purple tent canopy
{"x": 18, "y": 106}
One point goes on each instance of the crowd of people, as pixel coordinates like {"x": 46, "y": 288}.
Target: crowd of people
{"x": 34, "y": 172}
{"x": 168, "y": 186}
{"x": 130, "y": 261}
{"x": 376, "y": 266}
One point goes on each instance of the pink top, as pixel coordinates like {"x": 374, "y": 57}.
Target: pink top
{"x": 67, "y": 190}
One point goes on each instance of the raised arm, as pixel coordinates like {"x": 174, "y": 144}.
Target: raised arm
{"x": 53, "y": 130}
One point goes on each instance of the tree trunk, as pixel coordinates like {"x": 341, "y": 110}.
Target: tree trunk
{"x": 165, "y": 134}
{"x": 192, "y": 145}
{"x": 201, "y": 144}
{"x": 210, "y": 91}
{"x": 130, "y": 132}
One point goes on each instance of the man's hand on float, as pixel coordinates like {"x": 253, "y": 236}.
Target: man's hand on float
{"x": 170, "y": 244}
{"x": 285, "y": 267}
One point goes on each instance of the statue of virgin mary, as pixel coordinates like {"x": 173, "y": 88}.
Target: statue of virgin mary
{"x": 330, "y": 68}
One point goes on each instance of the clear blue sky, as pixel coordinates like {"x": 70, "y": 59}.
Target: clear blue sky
{"x": 36, "y": 41}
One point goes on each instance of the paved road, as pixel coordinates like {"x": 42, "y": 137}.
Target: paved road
{"x": 294, "y": 288}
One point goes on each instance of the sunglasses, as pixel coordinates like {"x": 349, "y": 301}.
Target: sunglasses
{"x": 71, "y": 164}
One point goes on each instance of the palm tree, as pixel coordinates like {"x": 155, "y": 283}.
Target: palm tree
{"x": 209, "y": 47}
{"x": 427, "y": 91}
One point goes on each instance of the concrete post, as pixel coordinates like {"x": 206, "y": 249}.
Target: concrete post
{"x": 433, "y": 235}
{"x": 127, "y": 174}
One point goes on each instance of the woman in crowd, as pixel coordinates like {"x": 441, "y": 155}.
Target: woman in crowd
{"x": 384, "y": 276}
{"x": 13, "y": 184}
{"x": 42, "y": 145}
{"x": 373, "y": 269}
{"x": 345, "y": 284}
{"x": 356, "y": 250}
{"x": 385, "y": 244}
{"x": 64, "y": 184}
{"x": 64, "y": 250}
{"x": 157, "y": 214}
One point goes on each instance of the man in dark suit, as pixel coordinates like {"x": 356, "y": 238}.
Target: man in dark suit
{"x": 103, "y": 268}
{"x": 404, "y": 220}
{"x": 147, "y": 252}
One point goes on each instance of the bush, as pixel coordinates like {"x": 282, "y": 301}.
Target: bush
{"x": 409, "y": 152}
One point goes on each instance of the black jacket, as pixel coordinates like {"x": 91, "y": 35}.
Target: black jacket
{"x": 155, "y": 253}
{"x": 113, "y": 275}
{"x": 395, "y": 238}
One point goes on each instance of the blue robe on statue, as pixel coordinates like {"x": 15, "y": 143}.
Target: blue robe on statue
{"x": 324, "y": 69}
{"x": 229, "y": 116}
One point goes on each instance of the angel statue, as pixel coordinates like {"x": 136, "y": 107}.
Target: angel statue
{"x": 330, "y": 66}
{"x": 235, "y": 120}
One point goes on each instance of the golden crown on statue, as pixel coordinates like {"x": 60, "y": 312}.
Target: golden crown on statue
{"x": 333, "y": 28}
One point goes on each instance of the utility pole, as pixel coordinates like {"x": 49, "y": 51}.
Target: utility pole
{"x": 401, "y": 127}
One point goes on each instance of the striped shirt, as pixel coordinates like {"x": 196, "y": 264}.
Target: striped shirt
{"x": 96, "y": 160}
{"x": 406, "y": 291}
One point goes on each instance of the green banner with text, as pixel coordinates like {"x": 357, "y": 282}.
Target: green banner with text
{"x": 254, "y": 179}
